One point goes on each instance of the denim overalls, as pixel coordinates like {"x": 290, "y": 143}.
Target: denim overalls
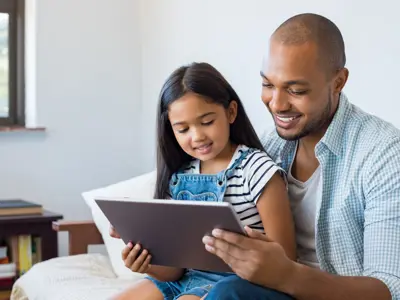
{"x": 203, "y": 187}
{"x": 198, "y": 187}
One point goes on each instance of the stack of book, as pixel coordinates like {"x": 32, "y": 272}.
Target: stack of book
{"x": 8, "y": 269}
{"x": 19, "y": 207}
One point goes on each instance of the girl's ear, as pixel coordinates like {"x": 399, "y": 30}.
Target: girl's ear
{"x": 232, "y": 111}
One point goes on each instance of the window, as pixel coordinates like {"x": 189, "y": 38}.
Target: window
{"x": 11, "y": 62}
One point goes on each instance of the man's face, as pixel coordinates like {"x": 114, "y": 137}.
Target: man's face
{"x": 297, "y": 91}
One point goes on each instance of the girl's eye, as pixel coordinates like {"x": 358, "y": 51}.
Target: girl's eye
{"x": 207, "y": 123}
{"x": 182, "y": 130}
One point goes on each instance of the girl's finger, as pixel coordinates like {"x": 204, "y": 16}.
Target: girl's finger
{"x": 113, "y": 233}
{"x": 130, "y": 259}
{"x": 139, "y": 260}
{"x": 146, "y": 265}
{"x": 126, "y": 251}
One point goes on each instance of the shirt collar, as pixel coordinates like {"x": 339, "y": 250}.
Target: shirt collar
{"x": 334, "y": 135}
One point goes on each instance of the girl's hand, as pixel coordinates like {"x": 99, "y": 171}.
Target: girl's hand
{"x": 134, "y": 260}
{"x": 113, "y": 232}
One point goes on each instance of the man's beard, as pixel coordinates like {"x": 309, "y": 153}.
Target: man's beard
{"x": 313, "y": 126}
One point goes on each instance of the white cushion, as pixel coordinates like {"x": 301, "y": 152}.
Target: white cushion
{"x": 138, "y": 187}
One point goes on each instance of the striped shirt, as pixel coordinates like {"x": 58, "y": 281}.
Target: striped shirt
{"x": 246, "y": 183}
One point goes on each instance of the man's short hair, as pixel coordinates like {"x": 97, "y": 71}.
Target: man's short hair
{"x": 314, "y": 28}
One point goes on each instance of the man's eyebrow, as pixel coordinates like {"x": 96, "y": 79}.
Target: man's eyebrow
{"x": 297, "y": 82}
{"x": 199, "y": 117}
{"x": 289, "y": 82}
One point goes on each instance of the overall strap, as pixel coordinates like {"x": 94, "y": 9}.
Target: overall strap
{"x": 238, "y": 161}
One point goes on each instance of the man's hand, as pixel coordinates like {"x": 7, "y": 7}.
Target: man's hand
{"x": 254, "y": 258}
{"x": 113, "y": 232}
{"x": 261, "y": 261}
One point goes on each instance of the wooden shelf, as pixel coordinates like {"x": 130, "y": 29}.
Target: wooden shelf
{"x": 35, "y": 225}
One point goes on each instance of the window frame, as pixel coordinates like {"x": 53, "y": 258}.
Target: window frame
{"x": 16, "y": 81}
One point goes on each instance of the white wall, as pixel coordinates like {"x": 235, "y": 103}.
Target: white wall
{"x": 232, "y": 35}
{"x": 88, "y": 76}
{"x": 101, "y": 66}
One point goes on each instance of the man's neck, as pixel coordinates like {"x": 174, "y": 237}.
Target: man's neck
{"x": 305, "y": 162}
{"x": 309, "y": 142}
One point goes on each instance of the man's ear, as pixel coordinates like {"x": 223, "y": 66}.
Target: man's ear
{"x": 340, "y": 80}
{"x": 232, "y": 111}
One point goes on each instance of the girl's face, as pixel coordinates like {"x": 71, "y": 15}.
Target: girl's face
{"x": 201, "y": 127}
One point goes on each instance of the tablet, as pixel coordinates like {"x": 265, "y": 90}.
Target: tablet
{"x": 172, "y": 230}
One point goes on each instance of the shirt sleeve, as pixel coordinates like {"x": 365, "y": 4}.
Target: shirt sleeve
{"x": 382, "y": 217}
{"x": 259, "y": 170}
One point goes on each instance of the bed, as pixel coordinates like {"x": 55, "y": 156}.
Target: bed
{"x": 82, "y": 275}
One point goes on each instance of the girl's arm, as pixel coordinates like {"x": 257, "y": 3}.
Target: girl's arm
{"x": 274, "y": 209}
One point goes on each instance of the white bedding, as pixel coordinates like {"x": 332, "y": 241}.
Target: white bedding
{"x": 87, "y": 276}
{"x": 80, "y": 277}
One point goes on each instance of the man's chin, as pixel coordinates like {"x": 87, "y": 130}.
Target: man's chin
{"x": 289, "y": 135}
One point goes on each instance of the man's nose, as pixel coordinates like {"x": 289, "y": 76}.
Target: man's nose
{"x": 279, "y": 101}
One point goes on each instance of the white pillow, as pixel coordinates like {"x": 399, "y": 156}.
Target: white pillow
{"x": 138, "y": 187}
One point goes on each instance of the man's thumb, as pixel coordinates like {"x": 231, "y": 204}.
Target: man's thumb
{"x": 255, "y": 234}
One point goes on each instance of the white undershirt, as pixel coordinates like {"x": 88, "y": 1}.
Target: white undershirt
{"x": 304, "y": 197}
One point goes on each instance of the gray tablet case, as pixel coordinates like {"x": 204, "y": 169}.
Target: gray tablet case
{"x": 172, "y": 230}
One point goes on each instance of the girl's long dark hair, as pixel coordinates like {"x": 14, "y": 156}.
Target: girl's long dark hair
{"x": 202, "y": 79}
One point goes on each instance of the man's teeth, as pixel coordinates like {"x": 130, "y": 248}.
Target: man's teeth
{"x": 286, "y": 119}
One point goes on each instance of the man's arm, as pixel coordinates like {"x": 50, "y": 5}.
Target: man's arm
{"x": 381, "y": 186}
{"x": 309, "y": 284}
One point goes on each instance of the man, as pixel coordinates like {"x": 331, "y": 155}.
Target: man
{"x": 343, "y": 169}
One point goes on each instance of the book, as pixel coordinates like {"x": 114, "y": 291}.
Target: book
{"x": 9, "y": 207}
{"x": 25, "y": 253}
{"x": 36, "y": 249}
{"x": 3, "y": 255}
{"x": 3, "y": 252}
{"x": 8, "y": 268}
{"x": 13, "y": 252}
{"x": 6, "y": 283}
{"x": 7, "y": 276}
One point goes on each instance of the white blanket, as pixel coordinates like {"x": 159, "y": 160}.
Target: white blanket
{"x": 79, "y": 277}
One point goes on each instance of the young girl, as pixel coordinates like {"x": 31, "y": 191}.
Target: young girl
{"x": 208, "y": 151}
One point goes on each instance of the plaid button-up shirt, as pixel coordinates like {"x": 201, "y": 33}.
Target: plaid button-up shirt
{"x": 357, "y": 226}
